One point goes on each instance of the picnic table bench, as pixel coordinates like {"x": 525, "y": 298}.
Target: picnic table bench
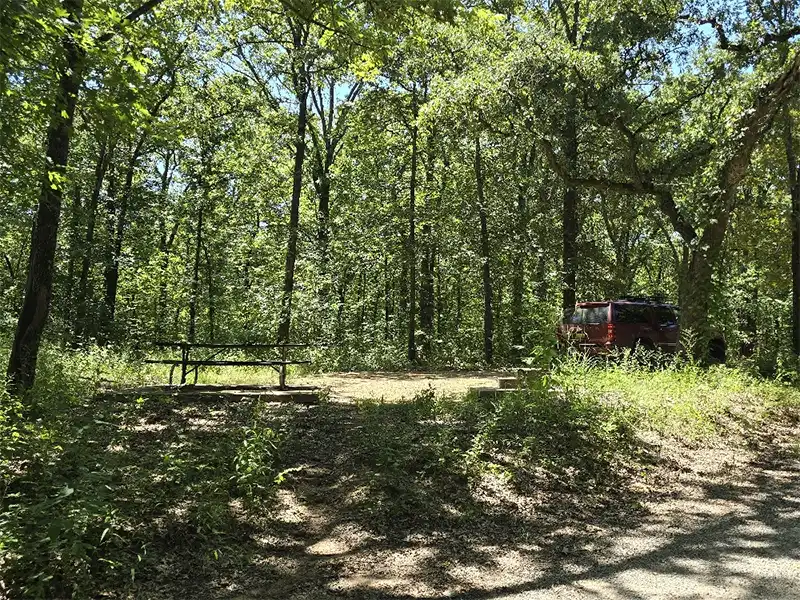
{"x": 188, "y": 365}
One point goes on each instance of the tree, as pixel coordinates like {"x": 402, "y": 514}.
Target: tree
{"x": 38, "y": 288}
{"x": 717, "y": 170}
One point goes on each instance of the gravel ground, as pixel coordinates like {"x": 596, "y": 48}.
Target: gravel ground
{"x": 719, "y": 523}
{"x": 716, "y": 539}
{"x": 399, "y": 386}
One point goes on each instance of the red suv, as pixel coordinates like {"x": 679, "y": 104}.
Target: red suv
{"x": 631, "y": 322}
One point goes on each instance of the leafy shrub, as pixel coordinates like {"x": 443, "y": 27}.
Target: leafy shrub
{"x": 254, "y": 463}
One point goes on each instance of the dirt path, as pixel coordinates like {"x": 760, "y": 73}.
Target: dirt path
{"x": 719, "y": 524}
{"x": 719, "y": 538}
{"x": 398, "y": 386}
{"x": 716, "y": 535}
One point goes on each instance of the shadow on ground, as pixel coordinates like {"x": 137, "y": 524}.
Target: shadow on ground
{"x": 394, "y": 501}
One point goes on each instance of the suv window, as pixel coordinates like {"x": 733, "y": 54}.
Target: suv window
{"x": 665, "y": 317}
{"x": 631, "y": 314}
{"x": 589, "y": 315}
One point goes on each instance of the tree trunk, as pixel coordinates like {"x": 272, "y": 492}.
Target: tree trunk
{"x": 570, "y": 209}
{"x": 327, "y": 141}
{"x": 412, "y": 232}
{"x": 211, "y": 306}
{"x": 459, "y": 304}
{"x": 74, "y": 246}
{"x": 402, "y": 315}
{"x": 301, "y": 88}
{"x": 39, "y": 284}
{"x": 426, "y": 297}
{"x": 439, "y": 297}
{"x": 518, "y": 281}
{"x": 695, "y": 299}
{"x": 195, "y": 278}
{"x": 387, "y": 296}
{"x": 540, "y": 276}
{"x": 323, "y": 160}
{"x": 111, "y": 275}
{"x": 522, "y": 251}
{"x": 247, "y": 280}
{"x": 81, "y": 304}
{"x": 344, "y": 282}
{"x": 488, "y": 315}
{"x": 324, "y": 211}
{"x": 440, "y": 301}
{"x": 361, "y": 304}
{"x": 794, "y": 190}
{"x": 164, "y": 246}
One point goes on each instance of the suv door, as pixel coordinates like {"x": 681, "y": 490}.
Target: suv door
{"x": 667, "y": 323}
{"x": 633, "y": 321}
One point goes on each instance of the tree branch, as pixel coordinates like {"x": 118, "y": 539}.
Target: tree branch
{"x": 663, "y": 194}
{"x": 725, "y": 43}
{"x": 131, "y": 17}
{"x": 9, "y": 266}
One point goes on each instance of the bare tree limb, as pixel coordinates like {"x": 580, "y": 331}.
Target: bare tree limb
{"x": 662, "y": 193}
{"x": 725, "y": 42}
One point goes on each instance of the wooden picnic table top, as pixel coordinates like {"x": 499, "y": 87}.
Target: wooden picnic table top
{"x": 227, "y": 363}
{"x": 243, "y": 346}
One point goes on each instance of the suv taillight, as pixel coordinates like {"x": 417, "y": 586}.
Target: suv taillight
{"x": 612, "y": 333}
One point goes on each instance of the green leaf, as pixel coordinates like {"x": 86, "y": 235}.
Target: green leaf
{"x": 137, "y": 65}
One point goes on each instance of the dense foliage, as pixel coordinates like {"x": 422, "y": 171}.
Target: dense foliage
{"x": 400, "y": 183}
{"x": 431, "y": 179}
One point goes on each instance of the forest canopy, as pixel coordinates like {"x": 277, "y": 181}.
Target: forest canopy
{"x": 415, "y": 181}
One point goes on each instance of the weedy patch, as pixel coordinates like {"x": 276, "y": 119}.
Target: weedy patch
{"x": 96, "y": 490}
{"x": 683, "y": 401}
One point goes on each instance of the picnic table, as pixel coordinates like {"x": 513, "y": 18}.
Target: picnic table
{"x": 189, "y": 364}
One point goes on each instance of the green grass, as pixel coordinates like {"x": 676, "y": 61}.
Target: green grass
{"x": 679, "y": 400}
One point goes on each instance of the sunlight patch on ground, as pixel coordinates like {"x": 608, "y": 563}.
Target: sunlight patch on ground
{"x": 394, "y": 387}
{"x": 291, "y": 509}
{"x": 342, "y": 540}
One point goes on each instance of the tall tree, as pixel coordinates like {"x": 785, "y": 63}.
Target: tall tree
{"x": 299, "y": 71}
{"x": 486, "y": 257}
{"x": 38, "y": 288}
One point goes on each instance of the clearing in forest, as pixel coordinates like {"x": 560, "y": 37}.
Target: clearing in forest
{"x": 399, "y": 386}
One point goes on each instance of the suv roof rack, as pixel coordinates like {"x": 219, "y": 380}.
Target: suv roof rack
{"x": 657, "y": 299}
